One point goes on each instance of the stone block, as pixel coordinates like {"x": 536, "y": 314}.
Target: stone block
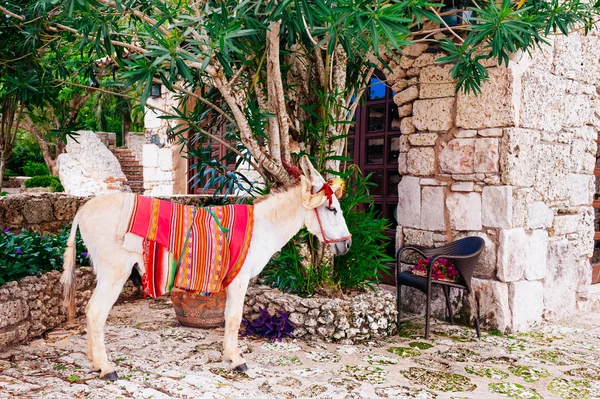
{"x": 497, "y": 206}
{"x": 432, "y": 208}
{"x": 464, "y": 186}
{"x": 406, "y": 95}
{"x": 494, "y": 132}
{"x": 552, "y": 171}
{"x": 486, "y": 267}
{"x": 421, "y": 161}
{"x": 576, "y": 57}
{"x": 581, "y": 189}
{"x": 521, "y": 254}
{"x": 406, "y": 126}
{"x": 402, "y": 163}
{"x": 418, "y": 237}
{"x": 414, "y": 50}
{"x": 409, "y": 203}
{"x": 542, "y": 104}
{"x": 486, "y": 155}
{"x": 433, "y": 114}
{"x": 518, "y": 157}
{"x": 13, "y": 312}
{"x": 584, "y": 245}
{"x": 561, "y": 281}
{"x": 565, "y": 224}
{"x": 149, "y": 174}
{"x": 150, "y": 156}
{"x": 404, "y": 145}
{"x": 436, "y": 82}
{"x": 539, "y": 215}
{"x": 405, "y": 110}
{"x": 465, "y": 134}
{"x": 423, "y": 139}
{"x": 464, "y": 210}
{"x": 493, "y": 107}
{"x": 165, "y": 159}
{"x": 490, "y": 298}
{"x": 526, "y": 301}
{"x": 583, "y": 155}
{"x": 457, "y": 156}
{"x": 577, "y": 109}
{"x": 65, "y": 208}
{"x": 37, "y": 210}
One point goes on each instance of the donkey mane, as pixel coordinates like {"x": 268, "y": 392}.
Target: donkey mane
{"x": 277, "y": 190}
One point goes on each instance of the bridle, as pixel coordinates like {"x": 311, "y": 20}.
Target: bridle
{"x": 329, "y": 193}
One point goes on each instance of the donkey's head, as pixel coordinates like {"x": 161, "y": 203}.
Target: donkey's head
{"x": 325, "y": 219}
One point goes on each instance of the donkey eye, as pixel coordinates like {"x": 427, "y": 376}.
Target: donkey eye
{"x": 332, "y": 210}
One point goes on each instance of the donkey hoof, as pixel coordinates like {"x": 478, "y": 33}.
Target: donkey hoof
{"x": 242, "y": 368}
{"x": 112, "y": 376}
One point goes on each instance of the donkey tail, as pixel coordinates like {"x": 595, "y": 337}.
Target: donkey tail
{"x": 68, "y": 276}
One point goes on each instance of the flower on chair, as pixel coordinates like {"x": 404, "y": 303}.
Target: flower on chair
{"x": 442, "y": 269}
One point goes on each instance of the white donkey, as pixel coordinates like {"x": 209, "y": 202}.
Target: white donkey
{"x": 277, "y": 218}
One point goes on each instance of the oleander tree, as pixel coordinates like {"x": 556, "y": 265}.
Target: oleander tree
{"x": 281, "y": 77}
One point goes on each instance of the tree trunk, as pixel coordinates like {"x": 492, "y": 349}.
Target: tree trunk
{"x": 39, "y": 137}
{"x": 2, "y": 168}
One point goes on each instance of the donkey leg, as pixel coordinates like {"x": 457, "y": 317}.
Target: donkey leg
{"x": 106, "y": 294}
{"x": 236, "y": 292}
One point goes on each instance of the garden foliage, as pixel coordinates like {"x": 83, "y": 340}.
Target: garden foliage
{"x": 45, "y": 181}
{"x": 273, "y": 327}
{"x": 30, "y": 253}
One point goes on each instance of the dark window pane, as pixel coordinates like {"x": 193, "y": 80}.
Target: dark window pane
{"x": 393, "y": 180}
{"x": 391, "y": 215}
{"x": 376, "y": 89}
{"x": 390, "y": 249}
{"x": 350, "y": 149}
{"x": 376, "y": 118}
{"x": 393, "y": 149}
{"x": 375, "y": 151}
{"x": 378, "y": 209}
{"x": 394, "y": 118}
{"x": 377, "y": 178}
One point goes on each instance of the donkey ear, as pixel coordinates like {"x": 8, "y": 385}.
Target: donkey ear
{"x": 311, "y": 173}
{"x": 310, "y": 200}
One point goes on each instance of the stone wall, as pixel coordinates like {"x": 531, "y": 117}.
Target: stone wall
{"x": 360, "y": 318}
{"x": 50, "y": 212}
{"x": 89, "y": 167}
{"x": 32, "y": 306}
{"x": 165, "y": 169}
{"x": 135, "y": 141}
{"x": 513, "y": 165}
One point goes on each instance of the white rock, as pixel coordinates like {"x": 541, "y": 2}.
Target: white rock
{"x": 457, "y": 156}
{"x": 539, "y": 215}
{"x": 497, "y": 206}
{"x": 491, "y": 299}
{"x": 432, "y": 208}
{"x": 522, "y": 255}
{"x": 565, "y": 224}
{"x": 464, "y": 186}
{"x": 581, "y": 189}
{"x": 526, "y": 301}
{"x": 464, "y": 210}
{"x": 518, "y": 157}
{"x": 150, "y": 156}
{"x": 165, "y": 159}
{"x": 409, "y": 202}
{"x": 561, "y": 282}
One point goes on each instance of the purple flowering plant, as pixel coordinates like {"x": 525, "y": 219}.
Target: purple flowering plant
{"x": 28, "y": 253}
{"x": 442, "y": 269}
{"x": 273, "y": 327}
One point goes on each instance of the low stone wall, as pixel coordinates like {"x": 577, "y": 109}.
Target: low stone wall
{"x": 50, "y": 212}
{"x": 363, "y": 317}
{"x": 32, "y": 306}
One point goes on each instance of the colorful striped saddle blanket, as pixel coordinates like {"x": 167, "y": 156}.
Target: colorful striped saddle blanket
{"x": 195, "y": 249}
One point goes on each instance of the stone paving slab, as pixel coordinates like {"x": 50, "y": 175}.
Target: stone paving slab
{"x": 157, "y": 358}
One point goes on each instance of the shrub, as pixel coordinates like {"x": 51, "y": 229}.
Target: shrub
{"x": 45, "y": 181}
{"x": 273, "y": 327}
{"x": 33, "y": 168}
{"x": 26, "y": 149}
{"x": 29, "y": 253}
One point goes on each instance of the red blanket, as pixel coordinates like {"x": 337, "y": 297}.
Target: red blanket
{"x": 195, "y": 249}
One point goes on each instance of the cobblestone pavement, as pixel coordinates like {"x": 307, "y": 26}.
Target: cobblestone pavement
{"x": 157, "y": 358}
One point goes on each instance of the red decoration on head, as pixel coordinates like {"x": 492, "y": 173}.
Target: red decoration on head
{"x": 328, "y": 192}
{"x": 292, "y": 170}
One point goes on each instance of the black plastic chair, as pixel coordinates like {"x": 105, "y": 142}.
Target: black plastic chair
{"x": 463, "y": 254}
